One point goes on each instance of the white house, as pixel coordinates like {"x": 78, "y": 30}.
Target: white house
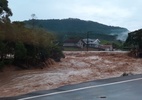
{"x": 91, "y": 43}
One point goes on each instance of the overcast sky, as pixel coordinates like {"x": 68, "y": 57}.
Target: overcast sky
{"x": 124, "y": 13}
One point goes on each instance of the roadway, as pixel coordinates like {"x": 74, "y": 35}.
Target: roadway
{"x": 121, "y": 88}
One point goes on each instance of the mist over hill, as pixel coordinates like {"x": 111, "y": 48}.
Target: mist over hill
{"x": 78, "y": 28}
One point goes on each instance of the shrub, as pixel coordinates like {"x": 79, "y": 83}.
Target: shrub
{"x": 56, "y": 53}
{"x": 20, "y": 52}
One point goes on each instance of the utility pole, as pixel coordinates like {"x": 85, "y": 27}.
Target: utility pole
{"x": 88, "y": 33}
{"x": 87, "y": 40}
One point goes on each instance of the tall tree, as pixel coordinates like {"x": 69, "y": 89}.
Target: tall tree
{"x": 5, "y": 11}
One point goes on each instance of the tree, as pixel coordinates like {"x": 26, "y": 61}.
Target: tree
{"x": 33, "y": 20}
{"x": 5, "y": 11}
{"x": 134, "y": 41}
{"x": 20, "y": 52}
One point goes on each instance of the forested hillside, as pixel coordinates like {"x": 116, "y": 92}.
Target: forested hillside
{"x": 77, "y": 28}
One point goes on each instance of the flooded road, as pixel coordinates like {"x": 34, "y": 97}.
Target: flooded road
{"x": 77, "y": 67}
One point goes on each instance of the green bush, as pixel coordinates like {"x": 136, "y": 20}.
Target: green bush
{"x": 28, "y": 47}
{"x": 20, "y": 52}
{"x": 56, "y": 53}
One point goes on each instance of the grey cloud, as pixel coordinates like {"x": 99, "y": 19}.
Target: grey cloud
{"x": 124, "y": 13}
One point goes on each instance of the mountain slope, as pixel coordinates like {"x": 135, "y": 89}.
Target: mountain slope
{"x": 76, "y": 27}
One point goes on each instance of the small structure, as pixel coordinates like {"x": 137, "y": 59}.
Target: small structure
{"x": 106, "y": 47}
{"x": 70, "y": 43}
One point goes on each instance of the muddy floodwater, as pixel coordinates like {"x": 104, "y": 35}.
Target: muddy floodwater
{"x": 75, "y": 68}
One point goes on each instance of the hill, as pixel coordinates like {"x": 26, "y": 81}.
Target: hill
{"x": 78, "y": 28}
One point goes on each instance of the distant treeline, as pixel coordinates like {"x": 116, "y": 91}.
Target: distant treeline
{"x": 76, "y": 27}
